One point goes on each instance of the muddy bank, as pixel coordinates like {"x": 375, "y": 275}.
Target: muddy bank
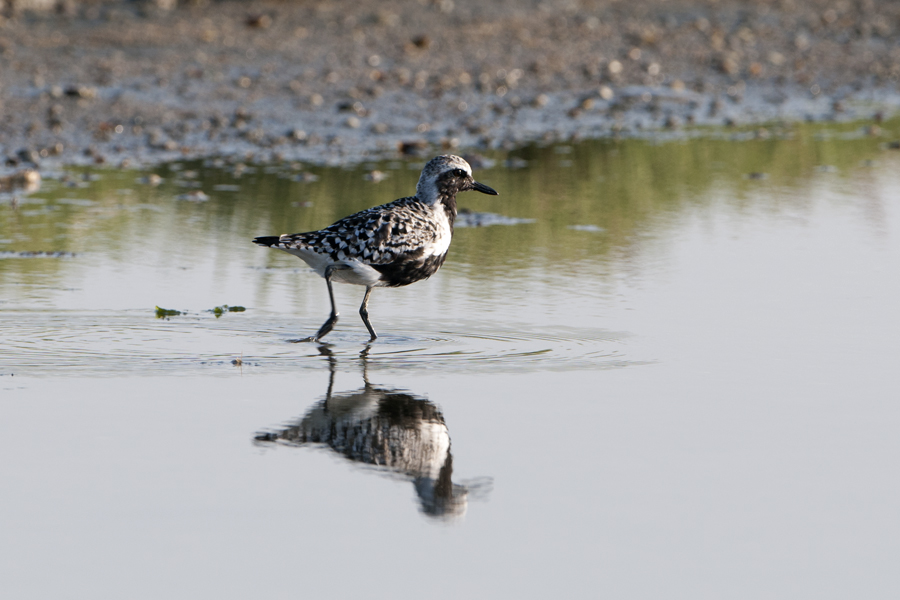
{"x": 334, "y": 82}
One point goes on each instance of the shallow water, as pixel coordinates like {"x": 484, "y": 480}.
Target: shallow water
{"x": 668, "y": 371}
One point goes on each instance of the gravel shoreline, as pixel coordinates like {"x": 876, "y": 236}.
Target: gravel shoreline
{"x": 131, "y": 83}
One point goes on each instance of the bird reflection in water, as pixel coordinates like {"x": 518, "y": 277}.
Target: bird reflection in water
{"x": 391, "y": 429}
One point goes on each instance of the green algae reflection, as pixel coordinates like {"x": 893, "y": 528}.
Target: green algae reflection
{"x": 587, "y": 201}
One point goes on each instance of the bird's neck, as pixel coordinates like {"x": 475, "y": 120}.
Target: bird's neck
{"x": 448, "y": 203}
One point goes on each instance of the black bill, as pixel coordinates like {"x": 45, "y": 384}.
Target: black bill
{"x": 480, "y": 187}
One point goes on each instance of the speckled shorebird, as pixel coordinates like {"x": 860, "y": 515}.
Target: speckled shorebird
{"x": 391, "y": 245}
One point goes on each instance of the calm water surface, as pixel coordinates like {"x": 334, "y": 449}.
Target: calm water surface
{"x": 669, "y": 370}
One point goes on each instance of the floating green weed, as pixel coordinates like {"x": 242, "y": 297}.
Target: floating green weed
{"x": 162, "y": 313}
{"x": 221, "y": 310}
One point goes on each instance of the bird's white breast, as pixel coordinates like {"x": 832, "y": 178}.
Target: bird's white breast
{"x": 443, "y": 233}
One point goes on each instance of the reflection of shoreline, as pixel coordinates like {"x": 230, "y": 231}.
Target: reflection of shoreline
{"x": 391, "y": 429}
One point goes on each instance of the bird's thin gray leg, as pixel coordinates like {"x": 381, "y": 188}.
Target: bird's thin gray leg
{"x": 364, "y": 313}
{"x": 329, "y": 324}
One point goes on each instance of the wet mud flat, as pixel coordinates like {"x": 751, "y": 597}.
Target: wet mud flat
{"x": 337, "y": 82}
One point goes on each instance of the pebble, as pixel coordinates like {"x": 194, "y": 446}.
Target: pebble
{"x": 81, "y": 91}
{"x": 469, "y": 218}
{"x": 27, "y": 179}
{"x": 259, "y": 21}
{"x": 413, "y": 147}
{"x": 375, "y": 176}
{"x": 193, "y": 196}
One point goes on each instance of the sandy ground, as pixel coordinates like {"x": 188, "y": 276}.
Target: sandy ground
{"x": 344, "y": 81}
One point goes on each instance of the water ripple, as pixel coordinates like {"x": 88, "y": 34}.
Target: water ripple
{"x": 132, "y": 342}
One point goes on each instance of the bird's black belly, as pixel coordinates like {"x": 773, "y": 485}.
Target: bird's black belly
{"x": 405, "y": 271}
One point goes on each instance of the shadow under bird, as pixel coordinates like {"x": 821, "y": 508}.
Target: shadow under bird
{"x": 391, "y": 245}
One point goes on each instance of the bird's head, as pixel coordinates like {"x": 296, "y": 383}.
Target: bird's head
{"x": 445, "y": 176}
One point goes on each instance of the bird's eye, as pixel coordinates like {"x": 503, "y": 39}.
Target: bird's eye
{"x": 459, "y": 173}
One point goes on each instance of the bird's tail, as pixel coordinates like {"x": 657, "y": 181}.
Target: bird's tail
{"x": 266, "y": 240}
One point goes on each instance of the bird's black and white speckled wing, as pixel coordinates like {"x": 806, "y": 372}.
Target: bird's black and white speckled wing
{"x": 404, "y": 228}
